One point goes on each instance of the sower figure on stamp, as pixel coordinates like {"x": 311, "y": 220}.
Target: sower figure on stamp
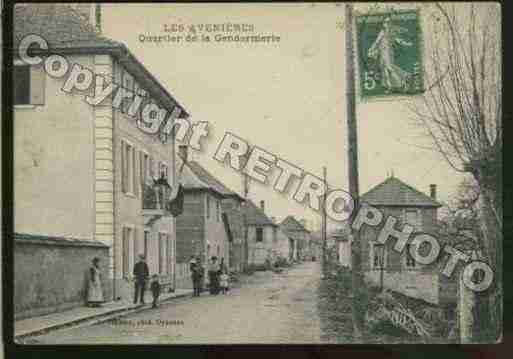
{"x": 141, "y": 274}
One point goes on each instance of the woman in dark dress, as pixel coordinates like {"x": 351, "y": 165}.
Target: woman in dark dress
{"x": 213, "y": 276}
{"x": 94, "y": 292}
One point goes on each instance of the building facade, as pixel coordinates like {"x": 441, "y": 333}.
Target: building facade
{"x": 203, "y": 228}
{"x": 81, "y": 170}
{"x": 381, "y": 263}
{"x": 299, "y": 236}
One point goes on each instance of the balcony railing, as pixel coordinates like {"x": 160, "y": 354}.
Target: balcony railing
{"x": 155, "y": 198}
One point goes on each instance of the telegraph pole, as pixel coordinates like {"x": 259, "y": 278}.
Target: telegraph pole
{"x": 352, "y": 139}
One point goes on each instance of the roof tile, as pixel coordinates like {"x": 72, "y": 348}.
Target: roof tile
{"x": 394, "y": 192}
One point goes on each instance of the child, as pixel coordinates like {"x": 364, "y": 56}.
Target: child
{"x": 155, "y": 290}
{"x": 224, "y": 281}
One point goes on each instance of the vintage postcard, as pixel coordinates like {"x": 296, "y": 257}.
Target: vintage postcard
{"x": 256, "y": 173}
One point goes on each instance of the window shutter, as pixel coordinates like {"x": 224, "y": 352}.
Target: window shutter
{"x": 135, "y": 173}
{"x": 135, "y": 245}
{"x": 151, "y": 168}
{"x": 141, "y": 169}
{"x": 123, "y": 167}
{"x": 37, "y": 85}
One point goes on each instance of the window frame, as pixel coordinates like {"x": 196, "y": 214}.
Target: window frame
{"x": 146, "y": 242}
{"x": 128, "y": 87}
{"x": 29, "y": 85}
{"x": 409, "y": 261}
{"x": 261, "y": 231}
{"x": 417, "y": 227}
{"x": 372, "y": 253}
{"x": 208, "y": 206}
{"x": 128, "y": 167}
{"x": 127, "y": 238}
{"x": 162, "y": 252}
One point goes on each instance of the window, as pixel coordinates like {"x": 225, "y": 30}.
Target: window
{"x": 409, "y": 260}
{"x": 146, "y": 243}
{"x": 218, "y": 210}
{"x": 162, "y": 252}
{"x": 21, "y": 85}
{"x": 170, "y": 254}
{"x": 259, "y": 234}
{"x": 127, "y": 237}
{"x": 208, "y": 206}
{"x": 135, "y": 246}
{"x": 144, "y": 167}
{"x": 128, "y": 87}
{"x": 163, "y": 170}
{"x": 378, "y": 256}
{"x": 412, "y": 217}
{"x": 128, "y": 161}
{"x": 152, "y": 170}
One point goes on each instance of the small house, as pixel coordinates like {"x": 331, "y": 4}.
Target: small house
{"x": 383, "y": 266}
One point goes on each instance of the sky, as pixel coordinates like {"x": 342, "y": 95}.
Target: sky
{"x": 287, "y": 97}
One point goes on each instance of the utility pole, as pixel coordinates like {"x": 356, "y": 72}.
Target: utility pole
{"x": 245, "y": 189}
{"x": 323, "y": 228}
{"x": 352, "y": 139}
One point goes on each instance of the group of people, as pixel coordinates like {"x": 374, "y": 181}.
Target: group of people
{"x": 141, "y": 274}
{"x": 217, "y": 276}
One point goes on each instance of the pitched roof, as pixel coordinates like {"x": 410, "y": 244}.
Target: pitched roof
{"x": 66, "y": 31}
{"x": 60, "y": 25}
{"x": 255, "y": 216}
{"x": 292, "y": 224}
{"x": 195, "y": 176}
{"x": 394, "y": 192}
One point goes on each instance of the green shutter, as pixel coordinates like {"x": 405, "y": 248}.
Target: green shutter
{"x": 37, "y": 85}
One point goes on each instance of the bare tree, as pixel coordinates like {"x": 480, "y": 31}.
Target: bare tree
{"x": 461, "y": 109}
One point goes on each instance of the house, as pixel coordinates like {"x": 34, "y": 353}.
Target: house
{"x": 202, "y": 229}
{"x": 400, "y": 272}
{"x": 261, "y": 234}
{"x": 299, "y": 237}
{"x": 82, "y": 172}
{"x": 233, "y": 206}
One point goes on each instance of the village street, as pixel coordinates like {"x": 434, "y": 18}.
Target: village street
{"x": 268, "y": 308}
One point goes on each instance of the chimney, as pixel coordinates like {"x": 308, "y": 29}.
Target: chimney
{"x": 91, "y": 12}
{"x": 183, "y": 152}
{"x": 262, "y": 206}
{"x": 432, "y": 191}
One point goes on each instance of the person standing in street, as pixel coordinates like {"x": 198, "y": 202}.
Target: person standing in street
{"x": 197, "y": 279}
{"x": 155, "y": 290}
{"x": 224, "y": 281}
{"x": 213, "y": 276}
{"x": 192, "y": 270}
{"x": 141, "y": 274}
{"x": 94, "y": 292}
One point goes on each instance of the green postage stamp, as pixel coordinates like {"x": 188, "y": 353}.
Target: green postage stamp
{"x": 389, "y": 54}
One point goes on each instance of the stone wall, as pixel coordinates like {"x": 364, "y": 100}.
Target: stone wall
{"x": 50, "y": 273}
